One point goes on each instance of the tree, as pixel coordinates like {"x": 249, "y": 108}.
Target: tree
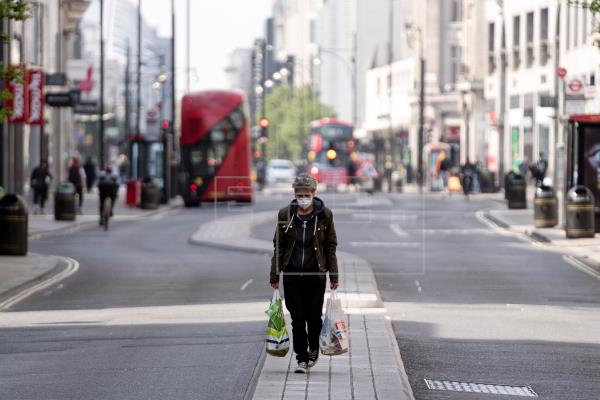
{"x": 594, "y": 7}
{"x": 290, "y": 111}
{"x": 15, "y": 10}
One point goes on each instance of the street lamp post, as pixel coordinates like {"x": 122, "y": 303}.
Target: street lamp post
{"x": 101, "y": 111}
{"x": 421, "y": 136}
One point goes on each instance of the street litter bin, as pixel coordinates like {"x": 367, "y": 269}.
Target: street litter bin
{"x": 64, "y": 202}
{"x": 150, "y": 195}
{"x": 545, "y": 207}
{"x": 507, "y": 181}
{"x": 580, "y": 213}
{"x": 516, "y": 191}
{"x": 13, "y": 225}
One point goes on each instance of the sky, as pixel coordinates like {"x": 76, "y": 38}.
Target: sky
{"x": 217, "y": 27}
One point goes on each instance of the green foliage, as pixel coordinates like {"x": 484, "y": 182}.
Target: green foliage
{"x": 290, "y": 111}
{"x": 15, "y": 10}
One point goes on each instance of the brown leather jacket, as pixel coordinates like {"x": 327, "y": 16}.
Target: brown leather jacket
{"x": 285, "y": 237}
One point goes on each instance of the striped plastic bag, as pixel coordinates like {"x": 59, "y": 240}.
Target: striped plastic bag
{"x": 278, "y": 340}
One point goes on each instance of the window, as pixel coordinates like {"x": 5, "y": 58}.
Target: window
{"x": 516, "y": 42}
{"x": 529, "y": 39}
{"x": 576, "y": 27}
{"x": 491, "y": 48}
{"x": 585, "y": 21}
{"x": 568, "y": 41}
{"x": 455, "y": 63}
{"x": 456, "y": 11}
{"x": 544, "y": 48}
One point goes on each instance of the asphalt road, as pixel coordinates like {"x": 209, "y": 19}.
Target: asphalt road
{"x": 472, "y": 305}
{"x": 147, "y": 316}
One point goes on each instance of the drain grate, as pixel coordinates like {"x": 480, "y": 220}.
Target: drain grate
{"x": 471, "y": 387}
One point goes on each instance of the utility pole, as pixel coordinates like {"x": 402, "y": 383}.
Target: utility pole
{"x": 139, "y": 90}
{"x": 173, "y": 146}
{"x": 101, "y": 112}
{"x": 127, "y": 100}
{"x": 187, "y": 50}
{"x": 389, "y": 165}
{"x": 421, "y": 115}
{"x": 503, "y": 62}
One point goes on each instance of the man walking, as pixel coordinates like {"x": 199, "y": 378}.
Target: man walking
{"x": 76, "y": 176}
{"x": 304, "y": 251}
{"x": 40, "y": 180}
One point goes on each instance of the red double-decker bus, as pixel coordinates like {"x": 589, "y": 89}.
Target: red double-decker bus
{"x": 215, "y": 148}
{"x": 331, "y": 143}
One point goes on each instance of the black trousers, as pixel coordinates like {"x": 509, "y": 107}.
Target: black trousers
{"x": 40, "y": 195}
{"x": 304, "y": 300}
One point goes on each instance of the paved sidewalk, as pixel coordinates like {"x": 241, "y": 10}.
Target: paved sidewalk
{"x": 373, "y": 367}
{"x": 583, "y": 254}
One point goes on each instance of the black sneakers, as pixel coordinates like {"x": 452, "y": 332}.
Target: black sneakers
{"x": 313, "y": 356}
{"x": 302, "y": 368}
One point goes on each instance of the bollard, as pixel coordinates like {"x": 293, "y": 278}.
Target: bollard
{"x": 580, "y": 213}
{"x": 150, "y": 195}
{"x": 13, "y": 225}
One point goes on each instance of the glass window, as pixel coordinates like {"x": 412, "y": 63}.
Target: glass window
{"x": 544, "y": 24}
{"x": 576, "y": 27}
{"x": 516, "y": 31}
{"x": 529, "y": 27}
{"x": 491, "y": 38}
{"x": 456, "y": 10}
{"x": 455, "y": 63}
{"x": 543, "y": 142}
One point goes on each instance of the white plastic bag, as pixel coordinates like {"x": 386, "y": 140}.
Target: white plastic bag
{"x": 333, "y": 339}
{"x": 278, "y": 341}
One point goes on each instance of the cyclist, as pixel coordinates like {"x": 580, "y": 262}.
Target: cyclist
{"x": 468, "y": 174}
{"x": 108, "y": 186}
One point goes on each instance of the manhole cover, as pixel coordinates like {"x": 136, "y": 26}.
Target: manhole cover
{"x": 472, "y": 387}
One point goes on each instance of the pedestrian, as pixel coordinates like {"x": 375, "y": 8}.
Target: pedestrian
{"x": 304, "y": 252}
{"x": 524, "y": 167}
{"x": 40, "y": 181}
{"x": 90, "y": 173}
{"x": 539, "y": 169}
{"x": 76, "y": 176}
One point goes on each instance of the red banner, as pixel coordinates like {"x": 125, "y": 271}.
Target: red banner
{"x": 34, "y": 97}
{"x": 16, "y": 103}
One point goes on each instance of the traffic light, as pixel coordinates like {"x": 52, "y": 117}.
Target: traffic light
{"x": 264, "y": 125}
{"x": 166, "y": 126}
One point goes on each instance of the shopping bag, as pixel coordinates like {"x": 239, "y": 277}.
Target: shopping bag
{"x": 278, "y": 340}
{"x": 334, "y": 339}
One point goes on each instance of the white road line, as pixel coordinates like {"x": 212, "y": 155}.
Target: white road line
{"x": 575, "y": 263}
{"x": 72, "y": 267}
{"x": 398, "y": 231}
{"x": 385, "y": 244}
{"x": 246, "y": 284}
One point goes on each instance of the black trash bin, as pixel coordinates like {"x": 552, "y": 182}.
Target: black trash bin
{"x": 545, "y": 207}
{"x": 150, "y": 195}
{"x": 507, "y": 181}
{"x": 13, "y": 225}
{"x": 64, "y": 202}
{"x": 580, "y": 213}
{"x": 516, "y": 191}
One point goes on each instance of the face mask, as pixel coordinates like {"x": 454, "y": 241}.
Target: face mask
{"x": 304, "y": 203}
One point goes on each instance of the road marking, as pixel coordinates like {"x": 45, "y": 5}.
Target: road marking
{"x": 246, "y": 284}
{"x": 419, "y": 288}
{"x": 72, "y": 267}
{"x": 385, "y": 244}
{"x": 471, "y": 387}
{"x": 398, "y": 231}
{"x": 575, "y": 263}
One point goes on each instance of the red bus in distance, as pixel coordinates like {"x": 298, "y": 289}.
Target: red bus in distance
{"x": 215, "y": 148}
{"x": 331, "y": 143}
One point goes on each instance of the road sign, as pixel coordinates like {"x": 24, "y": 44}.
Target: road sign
{"x": 87, "y": 107}
{"x": 59, "y": 99}
{"x": 57, "y": 79}
{"x": 561, "y": 72}
{"x": 575, "y": 88}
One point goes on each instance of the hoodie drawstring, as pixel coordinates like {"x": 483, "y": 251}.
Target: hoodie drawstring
{"x": 316, "y": 220}
{"x": 288, "y": 227}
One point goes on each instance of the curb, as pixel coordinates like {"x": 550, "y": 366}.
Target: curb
{"x": 407, "y": 389}
{"x": 77, "y": 227}
{"x": 65, "y": 268}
